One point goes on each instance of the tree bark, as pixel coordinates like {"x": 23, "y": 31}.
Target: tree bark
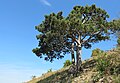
{"x": 72, "y": 54}
{"x": 78, "y": 54}
{"x": 78, "y": 58}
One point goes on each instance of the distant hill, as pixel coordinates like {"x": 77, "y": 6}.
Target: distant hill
{"x": 100, "y": 69}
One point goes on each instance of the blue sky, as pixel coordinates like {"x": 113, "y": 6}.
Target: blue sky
{"x": 18, "y": 35}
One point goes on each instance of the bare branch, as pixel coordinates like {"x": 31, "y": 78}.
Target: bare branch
{"x": 83, "y": 37}
{"x": 91, "y": 36}
{"x": 85, "y": 19}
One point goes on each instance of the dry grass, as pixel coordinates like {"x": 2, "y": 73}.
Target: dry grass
{"x": 89, "y": 72}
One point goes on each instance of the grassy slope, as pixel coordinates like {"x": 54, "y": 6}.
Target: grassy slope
{"x": 87, "y": 76}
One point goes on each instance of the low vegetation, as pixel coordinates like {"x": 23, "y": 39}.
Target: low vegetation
{"x": 104, "y": 67}
{"x": 108, "y": 67}
{"x": 96, "y": 52}
{"x": 50, "y": 70}
{"x": 67, "y": 63}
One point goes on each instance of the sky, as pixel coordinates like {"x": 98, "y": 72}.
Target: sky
{"x": 18, "y": 19}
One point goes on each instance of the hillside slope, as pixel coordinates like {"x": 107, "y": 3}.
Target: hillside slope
{"x": 105, "y": 68}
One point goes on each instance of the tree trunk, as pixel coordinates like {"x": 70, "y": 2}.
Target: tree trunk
{"x": 78, "y": 58}
{"x": 72, "y": 54}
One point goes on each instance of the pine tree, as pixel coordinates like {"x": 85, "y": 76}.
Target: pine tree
{"x": 81, "y": 28}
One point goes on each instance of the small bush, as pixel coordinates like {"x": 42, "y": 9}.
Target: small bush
{"x": 67, "y": 63}
{"x": 96, "y": 52}
{"x": 103, "y": 63}
{"x": 50, "y": 70}
{"x": 33, "y": 77}
{"x": 108, "y": 64}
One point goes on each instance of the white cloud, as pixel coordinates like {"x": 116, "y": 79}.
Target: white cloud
{"x": 46, "y": 2}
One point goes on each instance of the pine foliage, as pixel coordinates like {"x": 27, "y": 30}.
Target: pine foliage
{"x": 86, "y": 25}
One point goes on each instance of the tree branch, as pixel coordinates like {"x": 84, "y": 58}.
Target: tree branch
{"x": 91, "y": 36}
{"x": 83, "y": 37}
{"x": 85, "y": 19}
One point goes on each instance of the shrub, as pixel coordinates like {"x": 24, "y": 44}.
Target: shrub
{"x": 102, "y": 63}
{"x": 33, "y": 77}
{"x": 50, "y": 70}
{"x": 108, "y": 64}
{"x": 96, "y": 52}
{"x": 67, "y": 63}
